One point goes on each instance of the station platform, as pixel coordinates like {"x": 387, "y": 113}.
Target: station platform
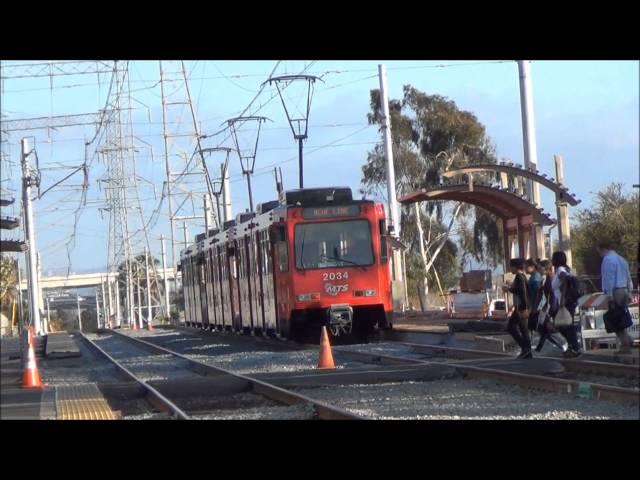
{"x": 54, "y": 402}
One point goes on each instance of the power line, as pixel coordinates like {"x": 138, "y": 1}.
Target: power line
{"x": 267, "y": 168}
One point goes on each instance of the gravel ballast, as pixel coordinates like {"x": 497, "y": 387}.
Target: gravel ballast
{"x": 460, "y": 399}
{"x": 89, "y": 367}
{"x": 237, "y": 353}
{"x": 294, "y": 412}
{"x": 143, "y": 364}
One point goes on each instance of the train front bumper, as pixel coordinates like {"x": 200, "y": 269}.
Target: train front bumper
{"x": 340, "y": 319}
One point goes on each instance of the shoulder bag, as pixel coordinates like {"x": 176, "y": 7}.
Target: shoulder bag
{"x": 563, "y": 318}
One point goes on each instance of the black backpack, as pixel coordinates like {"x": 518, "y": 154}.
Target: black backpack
{"x": 573, "y": 293}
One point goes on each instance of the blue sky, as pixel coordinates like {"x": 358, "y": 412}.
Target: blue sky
{"x": 587, "y": 111}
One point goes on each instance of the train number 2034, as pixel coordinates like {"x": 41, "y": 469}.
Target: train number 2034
{"x": 335, "y": 276}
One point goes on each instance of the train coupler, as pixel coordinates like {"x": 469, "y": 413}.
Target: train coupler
{"x": 340, "y": 319}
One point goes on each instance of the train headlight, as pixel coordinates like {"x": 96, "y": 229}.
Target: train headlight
{"x": 307, "y": 297}
{"x": 365, "y": 293}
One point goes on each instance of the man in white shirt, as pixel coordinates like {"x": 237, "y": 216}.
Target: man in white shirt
{"x": 616, "y": 282}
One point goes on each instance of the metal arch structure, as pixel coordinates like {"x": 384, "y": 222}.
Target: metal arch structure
{"x": 517, "y": 214}
{"x": 562, "y": 193}
{"x": 500, "y": 202}
{"x": 563, "y": 198}
{"x": 299, "y": 126}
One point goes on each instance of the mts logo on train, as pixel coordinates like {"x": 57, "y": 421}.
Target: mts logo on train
{"x": 315, "y": 257}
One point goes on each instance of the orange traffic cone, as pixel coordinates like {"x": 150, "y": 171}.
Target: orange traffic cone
{"x": 31, "y": 375}
{"x": 326, "y": 357}
{"x": 150, "y": 326}
{"x": 134, "y": 324}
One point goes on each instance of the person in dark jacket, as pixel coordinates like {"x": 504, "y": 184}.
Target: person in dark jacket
{"x": 534, "y": 286}
{"x": 517, "y": 325}
{"x": 544, "y": 301}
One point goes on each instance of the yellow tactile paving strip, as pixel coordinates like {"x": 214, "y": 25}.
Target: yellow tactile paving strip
{"x": 82, "y": 402}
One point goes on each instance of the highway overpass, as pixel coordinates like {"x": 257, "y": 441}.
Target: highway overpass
{"x": 84, "y": 280}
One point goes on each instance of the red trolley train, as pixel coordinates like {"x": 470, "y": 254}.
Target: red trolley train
{"x": 317, "y": 257}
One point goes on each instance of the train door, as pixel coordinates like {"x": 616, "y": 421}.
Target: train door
{"x": 224, "y": 285}
{"x": 243, "y": 287}
{"x": 267, "y": 285}
{"x": 211, "y": 298}
{"x": 247, "y": 271}
{"x": 234, "y": 287}
{"x": 215, "y": 297}
{"x": 204, "y": 292}
{"x": 185, "y": 288}
{"x": 282, "y": 280}
{"x": 192, "y": 290}
{"x": 204, "y": 297}
{"x": 194, "y": 287}
{"x": 197, "y": 284}
{"x": 256, "y": 282}
{"x": 220, "y": 296}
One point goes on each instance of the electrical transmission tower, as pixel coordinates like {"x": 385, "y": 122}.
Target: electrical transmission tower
{"x": 116, "y": 155}
{"x": 128, "y": 236}
{"x": 186, "y": 180}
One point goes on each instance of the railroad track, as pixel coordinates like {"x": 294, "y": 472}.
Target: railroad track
{"x": 611, "y": 374}
{"x": 570, "y": 376}
{"x": 416, "y": 362}
{"x": 611, "y": 369}
{"x": 152, "y": 395}
{"x": 175, "y": 397}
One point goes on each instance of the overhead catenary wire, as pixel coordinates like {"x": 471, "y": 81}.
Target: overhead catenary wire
{"x": 196, "y": 74}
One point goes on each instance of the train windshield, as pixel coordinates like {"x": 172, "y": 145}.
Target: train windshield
{"x": 333, "y": 244}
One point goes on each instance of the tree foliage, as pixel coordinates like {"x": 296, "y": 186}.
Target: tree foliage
{"x": 430, "y": 134}
{"x": 138, "y": 275}
{"x": 614, "y": 218}
{"x": 8, "y": 282}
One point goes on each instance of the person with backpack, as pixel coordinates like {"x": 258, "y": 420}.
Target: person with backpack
{"x": 544, "y": 301}
{"x": 566, "y": 293}
{"x": 617, "y": 284}
{"x": 534, "y": 286}
{"x": 517, "y": 324}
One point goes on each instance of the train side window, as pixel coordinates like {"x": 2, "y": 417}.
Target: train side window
{"x": 283, "y": 251}
{"x": 384, "y": 249}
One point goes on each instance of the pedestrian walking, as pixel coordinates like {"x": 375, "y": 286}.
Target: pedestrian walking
{"x": 617, "y": 284}
{"x": 517, "y": 324}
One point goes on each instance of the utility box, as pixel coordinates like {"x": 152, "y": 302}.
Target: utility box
{"x": 475, "y": 281}
{"x": 468, "y": 304}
